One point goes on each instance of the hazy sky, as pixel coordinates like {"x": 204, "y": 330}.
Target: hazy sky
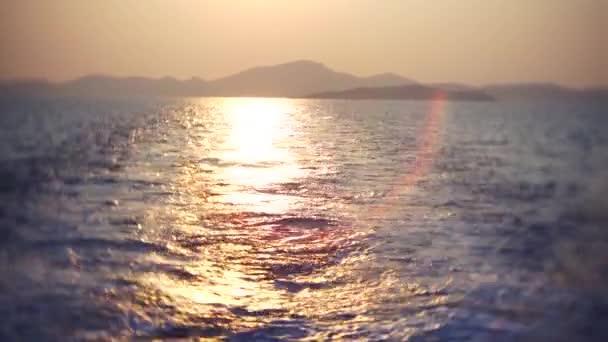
{"x": 476, "y": 41}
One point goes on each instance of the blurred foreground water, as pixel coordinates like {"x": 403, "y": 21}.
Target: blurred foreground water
{"x": 278, "y": 219}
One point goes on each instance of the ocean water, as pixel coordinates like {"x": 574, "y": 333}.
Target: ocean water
{"x": 279, "y": 219}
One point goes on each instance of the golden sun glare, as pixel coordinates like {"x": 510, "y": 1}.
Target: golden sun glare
{"x": 255, "y": 153}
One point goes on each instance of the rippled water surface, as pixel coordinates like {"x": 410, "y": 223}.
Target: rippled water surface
{"x": 278, "y": 219}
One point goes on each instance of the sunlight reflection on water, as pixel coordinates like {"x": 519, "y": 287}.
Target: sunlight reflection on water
{"x": 301, "y": 219}
{"x": 265, "y": 244}
{"x": 253, "y": 202}
{"x": 256, "y": 147}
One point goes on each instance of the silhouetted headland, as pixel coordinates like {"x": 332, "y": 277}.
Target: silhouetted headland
{"x": 404, "y": 92}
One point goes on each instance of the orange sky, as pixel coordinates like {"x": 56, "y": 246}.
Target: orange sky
{"x": 474, "y": 41}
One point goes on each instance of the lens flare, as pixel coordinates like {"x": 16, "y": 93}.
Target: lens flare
{"x": 429, "y": 141}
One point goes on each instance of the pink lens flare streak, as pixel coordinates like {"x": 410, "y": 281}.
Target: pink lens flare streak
{"x": 426, "y": 152}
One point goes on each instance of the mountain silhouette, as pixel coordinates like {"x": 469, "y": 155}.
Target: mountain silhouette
{"x": 302, "y": 78}
{"x": 166, "y": 86}
{"x": 295, "y": 79}
{"x": 103, "y": 86}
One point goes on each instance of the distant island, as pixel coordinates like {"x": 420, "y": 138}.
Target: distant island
{"x": 298, "y": 79}
{"x": 404, "y": 92}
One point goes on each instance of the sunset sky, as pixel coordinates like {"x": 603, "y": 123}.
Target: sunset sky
{"x": 474, "y": 41}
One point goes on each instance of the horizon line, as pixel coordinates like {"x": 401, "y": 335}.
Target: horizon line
{"x": 199, "y": 78}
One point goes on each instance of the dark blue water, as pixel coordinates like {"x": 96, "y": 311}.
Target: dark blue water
{"x": 276, "y": 219}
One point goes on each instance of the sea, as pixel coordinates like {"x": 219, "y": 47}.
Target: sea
{"x": 262, "y": 219}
